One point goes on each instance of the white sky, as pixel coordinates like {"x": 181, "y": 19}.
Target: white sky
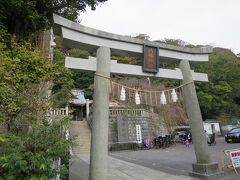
{"x": 206, "y": 22}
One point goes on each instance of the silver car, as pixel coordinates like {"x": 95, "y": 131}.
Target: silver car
{"x": 179, "y": 136}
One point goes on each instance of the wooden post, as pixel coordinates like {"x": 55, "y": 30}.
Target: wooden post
{"x": 87, "y": 109}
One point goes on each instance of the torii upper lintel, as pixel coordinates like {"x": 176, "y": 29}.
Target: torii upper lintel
{"x": 76, "y": 35}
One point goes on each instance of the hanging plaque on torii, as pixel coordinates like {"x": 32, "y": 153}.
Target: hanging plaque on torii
{"x": 151, "y": 59}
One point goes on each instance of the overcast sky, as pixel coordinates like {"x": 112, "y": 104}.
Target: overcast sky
{"x": 206, "y": 22}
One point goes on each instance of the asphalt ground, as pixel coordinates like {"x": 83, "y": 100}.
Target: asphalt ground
{"x": 119, "y": 170}
{"x": 178, "y": 159}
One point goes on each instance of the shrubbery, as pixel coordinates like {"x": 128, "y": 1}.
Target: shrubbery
{"x": 30, "y": 145}
{"x": 31, "y": 155}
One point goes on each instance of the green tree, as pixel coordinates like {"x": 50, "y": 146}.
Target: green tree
{"x": 220, "y": 97}
{"x": 31, "y": 143}
{"x": 174, "y": 42}
{"x": 25, "y": 77}
{"x": 26, "y": 17}
{"x": 31, "y": 156}
{"x": 82, "y": 80}
{"x": 126, "y": 60}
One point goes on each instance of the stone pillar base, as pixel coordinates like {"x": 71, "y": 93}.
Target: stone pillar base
{"x": 206, "y": 171}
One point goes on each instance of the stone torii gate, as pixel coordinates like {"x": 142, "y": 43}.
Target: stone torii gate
{"x": 106, "y": 44}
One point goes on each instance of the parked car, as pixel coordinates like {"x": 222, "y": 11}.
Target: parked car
{"x": 181, "y": 133}
{"x": 187, "y": 129}
{"x": 233, "y": 135}
{"x": 179, "y": 136}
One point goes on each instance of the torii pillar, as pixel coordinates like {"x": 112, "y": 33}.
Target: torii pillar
{"x": 99, "y": 140}
{"x": 204, "y": 168}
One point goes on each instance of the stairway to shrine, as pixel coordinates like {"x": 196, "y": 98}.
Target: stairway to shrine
{"x": 81, "y": 134}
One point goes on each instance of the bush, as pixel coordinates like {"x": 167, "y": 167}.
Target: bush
{"x": 31, "y": 155}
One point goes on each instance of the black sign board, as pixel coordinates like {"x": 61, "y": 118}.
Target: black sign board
{"x": 151, "y": 58}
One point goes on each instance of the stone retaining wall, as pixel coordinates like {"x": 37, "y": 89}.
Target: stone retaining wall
{"x": 147, "y": 127}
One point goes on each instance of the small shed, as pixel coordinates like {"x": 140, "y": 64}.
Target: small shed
{"x": 212, "y": 126}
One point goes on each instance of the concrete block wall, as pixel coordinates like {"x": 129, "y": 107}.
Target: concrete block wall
{"x": 147, "y": 127}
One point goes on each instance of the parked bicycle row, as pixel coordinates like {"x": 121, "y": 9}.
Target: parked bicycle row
{"x": 169, "y": 140}
{"x": 159, "y": 142}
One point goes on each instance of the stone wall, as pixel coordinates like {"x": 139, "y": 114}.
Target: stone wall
{"x": 147, "y": 127}
{"x": 112, "y": 130}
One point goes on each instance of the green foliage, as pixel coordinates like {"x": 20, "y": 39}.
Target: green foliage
{"x": 31, "y": 156}
{"x": 5, "y": 37}
{"x": 79, "y": 80}
{"x": 125, "y": 60}
{"x": 25, "y": 77}
{"x": 25, "y": 17}
{"x": 78, "y": 53}
{"x": 220, "y": 97}
{"x": 82, "y": 80}
{"x": 23, "y": 64}
{"x": 174, "y": 42}
{"x": 70, "y": 9}
{"x": 63, "y": 84}
{"x": 165, "y": 82}
{"x": 58, "y": 56}
{"x": 178, "y": 42}
{"x": 142, "y": 36}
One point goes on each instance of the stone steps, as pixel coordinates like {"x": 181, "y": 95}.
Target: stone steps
{"x": 81, "y": 134}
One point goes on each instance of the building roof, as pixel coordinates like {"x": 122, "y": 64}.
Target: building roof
{"x": 78, "y": 97}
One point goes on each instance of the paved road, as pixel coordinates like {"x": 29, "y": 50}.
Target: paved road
{"x": 119, "y": 170}
{"x": 176, "y": 159}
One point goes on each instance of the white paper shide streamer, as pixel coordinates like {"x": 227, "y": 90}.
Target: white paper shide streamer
{"x": 137, "y": 98}
{"x": 123, "y": 94}
{"x": 163, "y": 98}
{"x": 174, "y": 96}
